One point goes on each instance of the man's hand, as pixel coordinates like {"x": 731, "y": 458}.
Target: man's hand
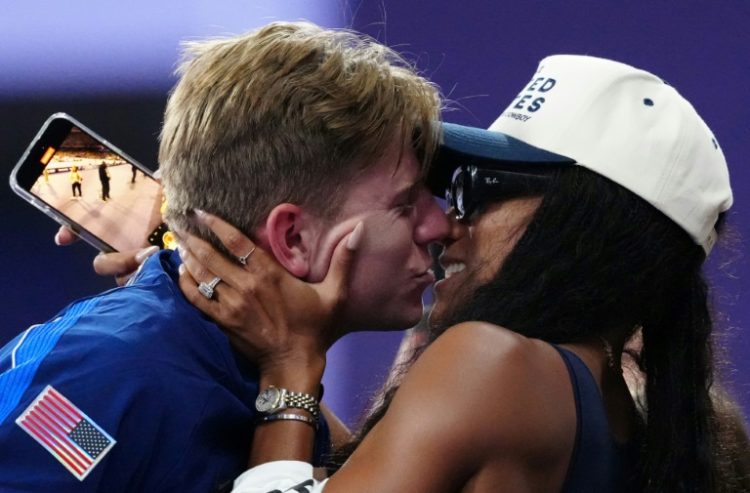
{"x": 121, "y": 265}
{"x": 65, "y": 236}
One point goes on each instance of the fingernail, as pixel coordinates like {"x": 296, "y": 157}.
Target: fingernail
{"x": 200, "y": 213}
{"x": 57, "y": 238}
{"x": 181, "y": 269}
{"x": 355, "y": 237}
{"x": 146, "y": 253}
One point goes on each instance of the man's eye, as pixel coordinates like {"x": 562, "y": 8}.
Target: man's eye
{"x": 405, "y": 209}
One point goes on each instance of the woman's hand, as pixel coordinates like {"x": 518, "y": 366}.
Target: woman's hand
{"x": 280, "y": 322}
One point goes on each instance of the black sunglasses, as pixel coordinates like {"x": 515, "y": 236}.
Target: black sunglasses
{"x": 472, "y": 186}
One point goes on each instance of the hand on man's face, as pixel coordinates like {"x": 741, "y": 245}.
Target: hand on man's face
{"x": 269, "y": 315}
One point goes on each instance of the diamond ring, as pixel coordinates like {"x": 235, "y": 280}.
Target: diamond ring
{"x": 207, "y": 288}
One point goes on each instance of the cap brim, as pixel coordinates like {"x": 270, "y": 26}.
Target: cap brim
{"x": 462, "y": 145}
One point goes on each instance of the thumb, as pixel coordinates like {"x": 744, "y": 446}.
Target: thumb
{"x": 335, "y": 285}
{"x": 65, "y": 236}
{"x": 121, "y": 263}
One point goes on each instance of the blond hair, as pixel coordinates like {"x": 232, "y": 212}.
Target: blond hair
{"x": 287, "y": 113}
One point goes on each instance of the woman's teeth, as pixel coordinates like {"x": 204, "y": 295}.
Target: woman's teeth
{"x": 454, "y": 269}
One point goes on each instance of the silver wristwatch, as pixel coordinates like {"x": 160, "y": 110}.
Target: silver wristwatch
{"x": 273, "y": 399}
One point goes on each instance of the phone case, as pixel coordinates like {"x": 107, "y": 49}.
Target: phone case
{"x": 86, "y": 162}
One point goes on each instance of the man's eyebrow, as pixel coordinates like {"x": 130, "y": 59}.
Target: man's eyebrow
{"x": 409, "y": 191}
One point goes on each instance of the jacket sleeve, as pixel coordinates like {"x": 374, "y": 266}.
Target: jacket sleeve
{"x": 79, "y": 427}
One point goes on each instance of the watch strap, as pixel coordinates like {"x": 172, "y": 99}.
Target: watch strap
{"x": 299, "y": 400}
{"x": 287, "y": 399}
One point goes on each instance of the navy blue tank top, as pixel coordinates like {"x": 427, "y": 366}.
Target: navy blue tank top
{"x": 598, "y": 464}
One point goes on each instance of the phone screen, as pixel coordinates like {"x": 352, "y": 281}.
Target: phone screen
{"x": 83, "y": 181}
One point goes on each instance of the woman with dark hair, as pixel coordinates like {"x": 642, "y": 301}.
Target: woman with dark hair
{"x": 583, "y": 216}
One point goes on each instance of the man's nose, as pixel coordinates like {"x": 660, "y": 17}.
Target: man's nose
{"x": 433, "y": 225}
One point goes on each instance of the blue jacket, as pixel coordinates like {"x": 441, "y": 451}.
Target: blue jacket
{"x": 130, "y": 390}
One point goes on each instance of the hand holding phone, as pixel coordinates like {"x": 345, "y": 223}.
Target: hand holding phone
{"x": 120, "y": 265}
{"x": 87, "y": 184}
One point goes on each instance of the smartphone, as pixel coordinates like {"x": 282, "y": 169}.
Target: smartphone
{"x": 82, "y": 181}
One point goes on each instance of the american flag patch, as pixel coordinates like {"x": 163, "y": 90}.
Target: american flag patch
{"x": 66, "y": 432}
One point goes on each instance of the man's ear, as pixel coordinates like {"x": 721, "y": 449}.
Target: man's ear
{"x": 290, "y": 237}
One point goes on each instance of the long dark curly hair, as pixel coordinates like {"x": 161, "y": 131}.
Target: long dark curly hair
{"x": 595, "y": 258}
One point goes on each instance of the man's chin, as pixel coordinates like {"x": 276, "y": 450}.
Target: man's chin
{"x": 403, "y": 322}
{"x": 388, "y": 322}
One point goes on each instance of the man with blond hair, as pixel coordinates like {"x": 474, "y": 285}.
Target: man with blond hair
{"x": 295, "y": 135}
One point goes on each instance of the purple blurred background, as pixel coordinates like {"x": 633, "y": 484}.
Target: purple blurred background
{"x": 110, "y": 65}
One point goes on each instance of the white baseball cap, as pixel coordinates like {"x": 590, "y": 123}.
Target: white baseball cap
{"x": 618, "y": 121}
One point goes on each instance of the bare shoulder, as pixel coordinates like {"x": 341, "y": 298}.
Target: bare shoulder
{"x": 495, "y": 353}
{"x": 507, "y": 388}
{"x": 482, "y": 406}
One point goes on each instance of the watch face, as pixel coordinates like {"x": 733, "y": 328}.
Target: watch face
{"x": 268, "y": 400}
